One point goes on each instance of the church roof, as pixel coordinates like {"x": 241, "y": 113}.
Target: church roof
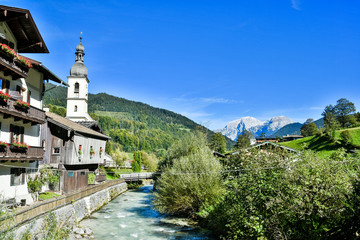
{"x": 73, "y": 126}
{"x": 94, "y": 125}
{"x": 79, "y": 69}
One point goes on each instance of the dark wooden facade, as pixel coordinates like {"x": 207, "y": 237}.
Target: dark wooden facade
{"x": 73, "y": 180}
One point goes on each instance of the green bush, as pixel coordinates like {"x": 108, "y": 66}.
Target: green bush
{"x": 136, "y": 164}
{"x": 191, "y": 184}
{"x": 189, "y": 144}
{"x": 91, "y": 178}
{"x": 149, "y": 161}
{"x": 346, "y": 137}
{"x": 274, "y": 196}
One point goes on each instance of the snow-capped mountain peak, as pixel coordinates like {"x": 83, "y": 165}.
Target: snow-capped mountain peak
{"x": 257, "y": 127}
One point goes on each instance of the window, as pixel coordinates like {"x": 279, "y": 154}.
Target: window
{"x": 56, "y": 150}
{"x": 20, "y": 90}
{"x": 17, "y": 176}
{"x": 16, "y": 134}
{"x": 75, "y": 108}
{"x": 5, "y": 85}
{"x": 82, "y": 173}
{"x": 28, "y": 96}
{"x": 70, "y": 174}
{"x": 77, "y": 86}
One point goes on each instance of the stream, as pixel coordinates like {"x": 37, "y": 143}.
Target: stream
{"x": 131, "y": 216}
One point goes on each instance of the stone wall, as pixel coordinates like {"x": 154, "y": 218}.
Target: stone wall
{"x": 73, "y": 213}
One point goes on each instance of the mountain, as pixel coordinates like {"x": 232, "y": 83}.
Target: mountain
{"x": 133, "y": 125}
{"x": 290, "y": 129}
{"x": 257, "y": 127}
{"x": 233, "y": 128}
{"x": 294, "y": 128}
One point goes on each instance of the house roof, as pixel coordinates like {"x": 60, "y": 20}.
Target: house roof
{"x": 24, "y": 29}
{"x": 73, "y": 126}
{"x": 293, "y": 136}
{"x": 268, "y": 143}
{"x": 94, "y": 125}
{"x": 273, "y": 144}
{"x": 48, "y": 75}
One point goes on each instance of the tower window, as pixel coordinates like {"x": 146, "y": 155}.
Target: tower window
{"x": 77, "y": 85}
{"x": 75, "y": 108}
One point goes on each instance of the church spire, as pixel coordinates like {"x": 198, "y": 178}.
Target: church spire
{"x": 79, "y": 69}
{"x": 80, "y": 51}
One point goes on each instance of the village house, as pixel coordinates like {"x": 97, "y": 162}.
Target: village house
{"x": 21, "y": 114}
{"x": 75, "y": 145}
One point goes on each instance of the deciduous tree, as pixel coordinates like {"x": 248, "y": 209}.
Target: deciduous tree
{"x": 309, "y": 128}
{"x": 342, "y": 109}
{"x": 218, "y": 143}
{"x": 243, "y": 141}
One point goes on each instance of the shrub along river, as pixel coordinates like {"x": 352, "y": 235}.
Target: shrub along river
{"x": 132, "y": 216}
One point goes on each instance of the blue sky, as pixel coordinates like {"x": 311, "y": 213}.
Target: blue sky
{"x": 212, "y": 61}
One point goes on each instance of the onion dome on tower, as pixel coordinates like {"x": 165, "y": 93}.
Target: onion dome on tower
{"x": 79, "y": 69}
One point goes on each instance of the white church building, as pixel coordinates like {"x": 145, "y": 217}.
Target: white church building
{"x": 75, "y": 144}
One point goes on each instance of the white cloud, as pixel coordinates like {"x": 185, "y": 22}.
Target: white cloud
{"x": 295, "y": 4}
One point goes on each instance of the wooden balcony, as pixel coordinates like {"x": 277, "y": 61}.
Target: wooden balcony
{"x": 10, "y": 153}
{"x": 12, "y": 68}
{"x": 32, "y": 114}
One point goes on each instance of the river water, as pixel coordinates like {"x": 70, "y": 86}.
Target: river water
{"x": 131, "y": 216}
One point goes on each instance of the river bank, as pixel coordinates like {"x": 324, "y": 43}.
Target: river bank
{"x": 66, "y": 211}
{"x": 132, "y": 216}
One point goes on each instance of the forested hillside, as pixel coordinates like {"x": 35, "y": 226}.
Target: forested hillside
{"x": 134, "y": 125}
{"x": 294, "y": 128}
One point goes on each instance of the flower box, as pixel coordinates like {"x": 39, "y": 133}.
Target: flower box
{"x": 4, "y": 96}
{"x": 92, "y": 152}
{"x": 23, "y": 61}
{"x": 22, "y": 104}
{"x": 7, "y": 52}
{"x": 20, "y": 145}
{"x": 3, "y": 146}
{"x": 101, "y": 151}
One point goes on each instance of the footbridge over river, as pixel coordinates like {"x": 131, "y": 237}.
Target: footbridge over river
{"x": 137, "y": 176}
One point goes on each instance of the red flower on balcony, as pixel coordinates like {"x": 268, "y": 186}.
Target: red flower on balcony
{"x": 20, "y": 145}
{"x": 22, "y": 104}
{"x": 23, "y": 61}
{"x": 11, "y": 52}
{"x": 3, "y": 144}
{"x": 4, "y": 96}
{"x": 8, "y": 50}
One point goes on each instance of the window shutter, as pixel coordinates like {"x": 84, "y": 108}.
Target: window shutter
{"x": 23, "y": 176}
{"x": 12, "y": 180}
{"x": 11, "y": 133}
{"x": 28, "y": 96}
{"x": 7, "y": 86}
{"x": 22, "y": 130}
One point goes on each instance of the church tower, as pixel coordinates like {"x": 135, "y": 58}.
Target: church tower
{"x": 77, "y": 97}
